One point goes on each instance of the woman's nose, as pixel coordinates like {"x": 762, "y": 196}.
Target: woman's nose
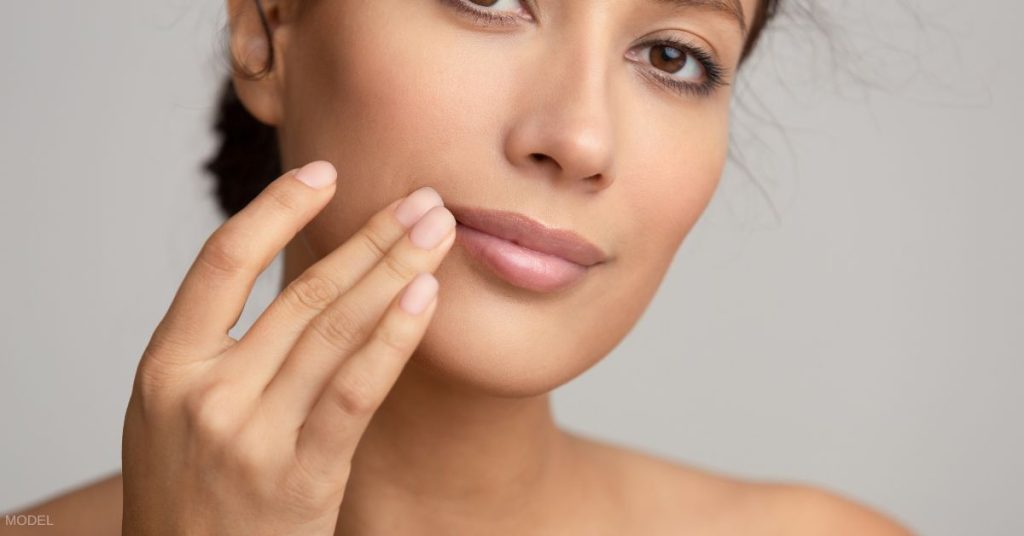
{"x": 562, "y": 126}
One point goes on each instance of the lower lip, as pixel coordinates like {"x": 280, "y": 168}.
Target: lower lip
{"x": 522, "y": 267}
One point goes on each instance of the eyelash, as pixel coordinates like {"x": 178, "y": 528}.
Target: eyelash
{"x": 714, "y": 74}
{"x": 483, "y": 16}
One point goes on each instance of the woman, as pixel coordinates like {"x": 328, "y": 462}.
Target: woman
{"x": 484, "y": 196}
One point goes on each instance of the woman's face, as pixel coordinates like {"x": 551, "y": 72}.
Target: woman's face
{"x": 571, "y": 112}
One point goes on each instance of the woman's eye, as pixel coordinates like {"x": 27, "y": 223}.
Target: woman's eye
{"x": 501, "y": 12}
{"x": 676, "y": 61}
{"x": 685, "y": 68}
{"x": 486, "y": 3}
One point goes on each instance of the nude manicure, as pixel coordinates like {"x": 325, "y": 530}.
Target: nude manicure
{"x": 432, "y": 228}
{"x": 417, "y": 204}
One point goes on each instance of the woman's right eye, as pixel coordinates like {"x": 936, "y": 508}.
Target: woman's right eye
{"x": 509, "y": 16}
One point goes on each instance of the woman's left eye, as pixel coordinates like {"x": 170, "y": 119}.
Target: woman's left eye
{"x": 505, "y": 12}
{"x": 676, "y": 61}
{"x": 692, "y": 70}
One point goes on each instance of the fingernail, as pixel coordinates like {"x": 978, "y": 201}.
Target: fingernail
{"x": 416, "y": 205}
{"x": 419, "y": 293}
{"x": 432, "y": 228}
{"x": 318, "y": 174}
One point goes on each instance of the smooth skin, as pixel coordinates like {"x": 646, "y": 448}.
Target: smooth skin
{"x": 257, "y": 435}
{"x": 337, "y": 413}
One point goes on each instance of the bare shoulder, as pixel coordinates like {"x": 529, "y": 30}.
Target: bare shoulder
{"x": 91, "y": 508}
{"x": 665, "y": 496}
{"x": 807, "y": 509}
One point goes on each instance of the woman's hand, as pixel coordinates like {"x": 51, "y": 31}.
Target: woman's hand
{"x": 256, "y": 436}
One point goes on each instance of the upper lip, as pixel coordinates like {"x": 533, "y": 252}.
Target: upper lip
{"x": 529, "y": 233}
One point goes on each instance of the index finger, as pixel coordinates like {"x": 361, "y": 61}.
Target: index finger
{"x": 214, "y": 291}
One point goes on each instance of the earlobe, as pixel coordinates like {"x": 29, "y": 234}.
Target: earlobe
{"x": 259, "y": 90}
{"x": 257, "y": 67}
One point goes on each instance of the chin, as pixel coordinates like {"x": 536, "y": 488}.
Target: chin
{"x": 494, "y": 339}
{"x": 486, "y": 367}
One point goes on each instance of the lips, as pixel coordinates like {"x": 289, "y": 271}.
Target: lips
{"x": 522, "y": 251}
{"x": 530, "y": 234}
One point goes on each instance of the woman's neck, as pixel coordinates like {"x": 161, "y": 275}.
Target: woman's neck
{"x": 435, "y": 460}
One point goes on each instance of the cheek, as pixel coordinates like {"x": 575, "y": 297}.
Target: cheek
{"x": 670, "y": 185}
{"x": 391, "y": 87}
{"x": 384, "y": 98}
{"x": 673, "y": 175}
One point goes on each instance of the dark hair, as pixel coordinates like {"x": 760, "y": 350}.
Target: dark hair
{"x": 248, "y": 159}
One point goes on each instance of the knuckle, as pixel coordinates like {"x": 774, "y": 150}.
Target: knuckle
{"x": 312, "y": 292}
{"x": 166, "y": 345}
{"x": 250, "y": 459}
{"x": 374, "y": 240}
{"x": 158, "y": 375}
{"x": 223, "y": 255}
{"x": 396, "y": 337}
{"x": 152, "y": 370}
{"x": 283, "y": 199}
{"x": 208, "y": 411}
{"x": 151, "y": 382}
{"x": 341, "y": 326}
{"x": 353, "y": 394}
{"x": 398, "y": 269}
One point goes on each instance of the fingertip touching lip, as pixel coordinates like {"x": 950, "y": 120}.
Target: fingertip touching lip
{"x": 529, "y": 233}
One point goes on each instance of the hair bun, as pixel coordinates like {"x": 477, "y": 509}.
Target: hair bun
{"x": 247, "y": 159}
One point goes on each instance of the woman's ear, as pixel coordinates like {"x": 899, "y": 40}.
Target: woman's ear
{"x": 254, "y": 26}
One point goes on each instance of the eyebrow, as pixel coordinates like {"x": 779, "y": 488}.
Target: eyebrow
{"x": 732, "y": 8}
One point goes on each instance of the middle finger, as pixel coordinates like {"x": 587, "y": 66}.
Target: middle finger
{"x": 343, "y": 326}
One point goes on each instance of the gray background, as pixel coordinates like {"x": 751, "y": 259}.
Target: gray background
{"x": 849, "y": 313}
